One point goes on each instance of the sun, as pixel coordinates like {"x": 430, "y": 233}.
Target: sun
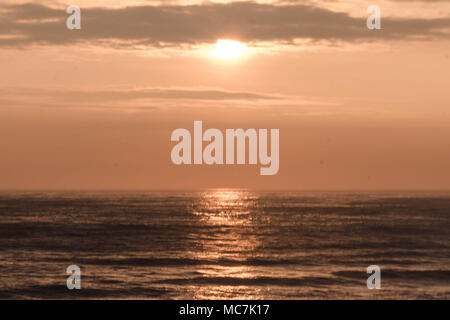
{"x": 228, "y": 49}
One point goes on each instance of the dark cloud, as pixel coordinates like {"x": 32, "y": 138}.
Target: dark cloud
{"x": 129, "y": 94}
{"x": 27, "y": 24}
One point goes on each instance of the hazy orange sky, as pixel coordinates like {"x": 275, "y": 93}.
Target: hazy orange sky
{"x": 94, "y": 108}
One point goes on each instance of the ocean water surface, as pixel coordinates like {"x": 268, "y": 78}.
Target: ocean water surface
{"x": 225, "y": 244}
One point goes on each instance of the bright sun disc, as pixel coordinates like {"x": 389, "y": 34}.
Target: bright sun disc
{"x": 228, "y": 49}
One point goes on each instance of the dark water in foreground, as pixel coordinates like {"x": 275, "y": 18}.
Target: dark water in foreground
{"x": 225, "y": 244}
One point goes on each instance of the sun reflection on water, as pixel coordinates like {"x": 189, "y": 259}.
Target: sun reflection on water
{"x": 230, "y": 240}
{"x": 225, "y": 207}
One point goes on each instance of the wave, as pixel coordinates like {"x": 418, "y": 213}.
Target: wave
{"x": 442, "y": 276}
{"x": 257, "y": 281}
{"x": 61, "y": 292}
{"x": 180, "y": 262}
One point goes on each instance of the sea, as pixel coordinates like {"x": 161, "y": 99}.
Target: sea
{"x": 224, "y": 244}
